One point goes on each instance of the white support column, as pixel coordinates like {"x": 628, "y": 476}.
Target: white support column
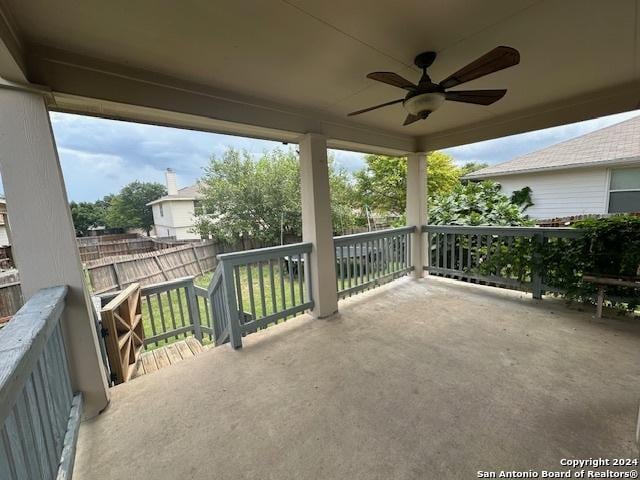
{"x": 316, "y": 222}
{"x": 417, "y": 208}
{"x": 44, "y": 245}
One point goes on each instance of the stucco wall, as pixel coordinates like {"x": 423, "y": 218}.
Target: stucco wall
{"x": 561, "y": 193}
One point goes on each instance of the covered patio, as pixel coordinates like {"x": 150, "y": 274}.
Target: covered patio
{"x": 426, "y": 378}
{"x": 420, "y": 379}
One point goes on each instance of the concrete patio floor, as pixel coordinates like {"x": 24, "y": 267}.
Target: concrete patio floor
{"x": 420, "y": 379}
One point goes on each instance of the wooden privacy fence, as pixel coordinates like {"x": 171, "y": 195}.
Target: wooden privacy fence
{"x": 39, "y": 414}
{"x": 125, "y": 246}
{"x": 501, "y": 256}
{"x": 10, "y": 299}
{"x": 116, "y": 273}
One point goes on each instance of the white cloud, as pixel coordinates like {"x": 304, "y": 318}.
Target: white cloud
{"x": 100, "y": 156}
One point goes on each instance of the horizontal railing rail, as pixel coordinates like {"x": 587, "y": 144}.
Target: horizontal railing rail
{"x": 39, "y": 413}
{"x": 561, "y": 232}
{"x": 262, "y": 286}
{"x": 503, "y": 256}
{"x": 367, "y": 260}
{"x": 170, "y": 311}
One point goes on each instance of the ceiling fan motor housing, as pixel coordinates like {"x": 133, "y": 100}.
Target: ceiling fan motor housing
{"x": 422, "y": 104}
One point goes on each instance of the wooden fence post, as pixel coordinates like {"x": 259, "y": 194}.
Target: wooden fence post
{"x": 162, "y": 270}
{"x": 115, "y": 273}
{"x": 235, "y": 335}
{"x": 194, "y": 311}
{"x": 536, "y": 267}
{"x": 195, "y": 255}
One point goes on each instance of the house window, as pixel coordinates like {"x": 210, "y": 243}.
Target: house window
{"x": 161, "y": 211}
{"x": 624, "y": 190}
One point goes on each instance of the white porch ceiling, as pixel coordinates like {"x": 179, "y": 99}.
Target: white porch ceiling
{"x": 300, "y": 65}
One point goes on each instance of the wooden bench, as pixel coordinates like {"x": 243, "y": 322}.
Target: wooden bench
{"x": 603, "y": 281}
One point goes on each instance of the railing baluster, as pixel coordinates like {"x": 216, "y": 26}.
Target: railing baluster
{"x": 349, "y": 264}
{"x": 172, "y": 313}
{"x": 291, "y": 281}
{"x": 183, "y": 322}
{"x": 460, "y": 259}
{"x": 282, "y": 289}
{"x": 252, "y": 303}
{"x": 152, "y": 319}
{"x": 164, "y": 326}
{"x": 238, "y": 284}
{"x": 300, "y": 273}
{"x": 274, "y": 307}
{"x": 263, "y": 299}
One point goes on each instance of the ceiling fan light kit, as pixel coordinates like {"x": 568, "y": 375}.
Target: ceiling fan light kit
{"x": 424, "y": 102}
{"x": 426, "y": 97}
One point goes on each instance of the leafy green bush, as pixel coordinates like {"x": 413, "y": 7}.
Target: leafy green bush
{"x": 609, "y": 246}
{"x": 476, "y": 204}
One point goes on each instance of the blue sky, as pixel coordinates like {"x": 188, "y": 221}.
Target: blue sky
{"x": 100, "y": 156}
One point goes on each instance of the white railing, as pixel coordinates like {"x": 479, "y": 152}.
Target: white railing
{"x": 260, "y": 287}
{"x": 39, "y": 413}
{"x": 367, "y": 260}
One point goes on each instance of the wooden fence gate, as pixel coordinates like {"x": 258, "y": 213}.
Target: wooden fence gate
{"x": 124, "y": 332}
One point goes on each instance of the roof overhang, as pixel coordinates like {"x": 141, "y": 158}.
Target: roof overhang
{"x": 177, "y": 199}
{"x": 619, "y": 162}
{"x": 299, "y": 66}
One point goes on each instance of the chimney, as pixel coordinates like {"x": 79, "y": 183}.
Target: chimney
{"x": 172, "y": 183}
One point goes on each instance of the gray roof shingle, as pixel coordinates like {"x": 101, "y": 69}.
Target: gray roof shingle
{"x": 191, "y": 192}
{"x": 619, "y": 143}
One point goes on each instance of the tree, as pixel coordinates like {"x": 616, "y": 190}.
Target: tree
{"x": 128, "y": 209}
{"x": 476, "y": 204}
{"x": 87, "y": 215}
{"x": 471, "y": 167}
{"x": 382, "y": 184}
{"x": 244, "y": 197}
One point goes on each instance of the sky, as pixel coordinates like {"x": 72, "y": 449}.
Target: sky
{"x": 100, "y": 156}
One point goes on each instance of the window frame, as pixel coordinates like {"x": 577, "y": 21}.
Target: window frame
{"x": 610, "y": 179}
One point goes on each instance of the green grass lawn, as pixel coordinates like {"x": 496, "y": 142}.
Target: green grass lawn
{"x": 168, "y": 310}
{"x": 283, "y": 295}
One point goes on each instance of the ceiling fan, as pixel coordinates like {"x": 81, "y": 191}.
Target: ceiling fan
{"x": 426, "y": 96}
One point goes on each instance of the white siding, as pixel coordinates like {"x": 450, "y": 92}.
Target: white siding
{"x": 176, "y": 221}
{"x": 561, "y": 193}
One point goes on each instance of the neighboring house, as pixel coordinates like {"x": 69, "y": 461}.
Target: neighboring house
{"x": 596, "y": 173}
{"x": 173, "y": 214}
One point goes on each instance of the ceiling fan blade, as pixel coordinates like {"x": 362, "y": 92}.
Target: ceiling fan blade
{"x": 497, "y": 59}
{"x": 411, "y": 119}
{"x": 393, "y": 79}
{"x": 479, "y": 97}
{"x": 358, "y": 112}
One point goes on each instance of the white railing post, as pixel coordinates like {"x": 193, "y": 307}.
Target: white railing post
{"x": 317, "y": 226}
{"x": 44, "y": 244}
{"x": 417, "y": 209}
{"x": 231, "y": 305}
